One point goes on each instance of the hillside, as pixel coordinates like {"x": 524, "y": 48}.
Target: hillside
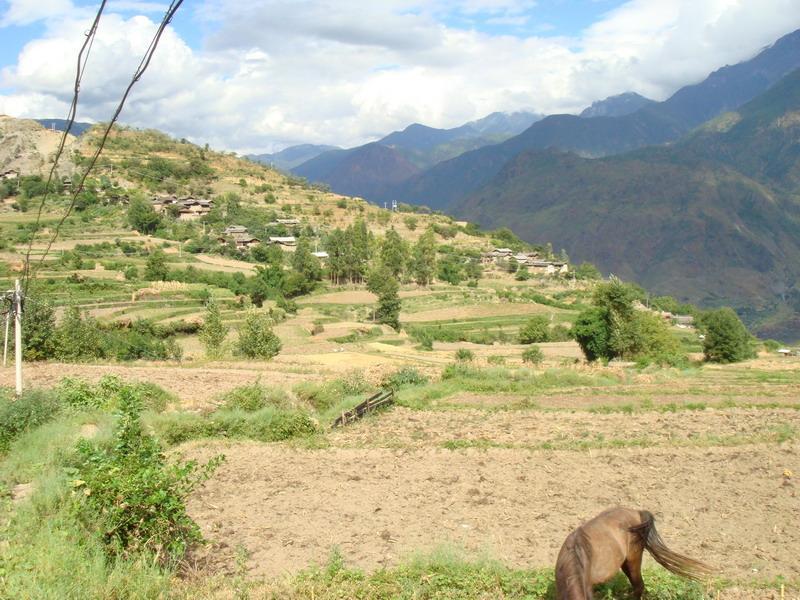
{"x": 27, "y": 146}
{"x": 657, "y": 123}
{"x": 714, "y": 219}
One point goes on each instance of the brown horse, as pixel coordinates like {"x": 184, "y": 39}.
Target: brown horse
{"x": 615, "y": 539}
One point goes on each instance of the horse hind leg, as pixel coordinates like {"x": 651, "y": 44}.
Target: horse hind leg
{"x": 632, "y": 567}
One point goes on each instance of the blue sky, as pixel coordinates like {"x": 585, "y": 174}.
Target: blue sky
{"x": 259, "y": 75}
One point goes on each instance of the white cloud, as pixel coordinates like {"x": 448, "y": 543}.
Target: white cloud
{"x": 278, "y": 72}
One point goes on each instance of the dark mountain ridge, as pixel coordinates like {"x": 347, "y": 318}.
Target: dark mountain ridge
{"x": 712, "y": 219}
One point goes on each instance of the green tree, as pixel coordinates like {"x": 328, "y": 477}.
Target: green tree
{"x": 587, "y": 270}
{"x": 78, "y": 338}
{"x": 394, "y": 253}
{"x": 591, "y": 333}
{"x": 727, "y": 339}
{"x": 142, "y": 216}
{"x": 382, "y": 283}
{"x": 424, "y": 258}
{"x": 305, "y": 263}
{"x": 536, "y": 330}
{"x": 256, "y": 338}
{"x": 451, "y": 269}
{"x": 156, "y": 266}
{"x": 39, "y": 341}
{"x": 213, "y": 331}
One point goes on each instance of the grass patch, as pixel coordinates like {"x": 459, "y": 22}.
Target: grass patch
{"x": 268, "y": 424}
{"x": 446, "y": 575}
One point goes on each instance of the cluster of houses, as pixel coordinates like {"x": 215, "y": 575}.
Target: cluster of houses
{"x": 243, "y": 239}
{"x": 189, "y": 208}
{"x": 531, "y": 260}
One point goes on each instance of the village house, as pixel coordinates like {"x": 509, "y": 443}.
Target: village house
{"x": 191, "y": 208}
{"x": 283, "y": 241}
{"x": 243, "y": 241}
{"x": 9, "y": 176}
{"x": 235, "y": 229}
{"x": 323, "y": 256}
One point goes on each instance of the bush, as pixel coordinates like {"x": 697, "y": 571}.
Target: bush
{"x": 32, "y": 409}
{"x": 496, "y": 360}
{"x": 533, "y": 355}
{"x": 535, "y": 331}
{"x": 80, "y": 394}
{"x": 727, "y": 340}
{"x": 256, "y": 338}
{"x": 402, "y": 377}
{"x": 464, "y": 355}
{"x": 266, "y": 425}
{"x": 250, "y": 398}
{"x": 131, "y": 496}
{"x": 772, "y": 345}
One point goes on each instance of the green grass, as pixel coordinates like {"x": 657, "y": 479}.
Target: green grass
{"x": 447, "y": 575}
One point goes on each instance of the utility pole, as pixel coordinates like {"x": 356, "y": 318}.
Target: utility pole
{"x": 5, "y": 340}
{"x": 18, "y": 335}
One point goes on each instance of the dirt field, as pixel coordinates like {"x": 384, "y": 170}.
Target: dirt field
{"x": 478, "y": 311}
{"x": 195, "y": 387}
{"x": 288, "y": 508}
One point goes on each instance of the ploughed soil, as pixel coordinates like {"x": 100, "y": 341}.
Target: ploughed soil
{"x": 735, "y": 507}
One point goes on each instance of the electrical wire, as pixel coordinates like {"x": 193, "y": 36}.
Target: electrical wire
{"x": 83, "y": 59}
{"x": 143, "y": 65}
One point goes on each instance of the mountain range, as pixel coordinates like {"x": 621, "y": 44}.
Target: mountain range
{"x": 713, "y": 218}
{"x": 404, "y": 154}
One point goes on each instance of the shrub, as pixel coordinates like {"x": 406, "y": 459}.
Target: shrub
{"x": 727, "y": 340}
{"x": 533, "y": 355}
{"x": 772, "y": 345}
{"x": 266, "y": 425}
{"x": 131, "y": 496}
{"x": 256, "y": 338}
{"x": 536, "y": 330}
{"x": 404, "y": 376}
{"x": 106, "y": 393}
{"x": 250, "y": 398}
{"x": 32, "y": 409}
{"x": 560, "y": 333}
{"x": 464, "y": 355}
{"x": 496, "y": 360}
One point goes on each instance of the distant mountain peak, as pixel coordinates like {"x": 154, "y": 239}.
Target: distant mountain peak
{"x": 616, "y": 106}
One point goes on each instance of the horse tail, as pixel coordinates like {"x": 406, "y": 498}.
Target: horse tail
{"x": 672, "y": 561}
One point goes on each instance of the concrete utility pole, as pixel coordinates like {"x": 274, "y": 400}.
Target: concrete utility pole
{"x": 18, "y": 335}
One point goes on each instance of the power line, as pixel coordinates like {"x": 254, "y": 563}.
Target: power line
{"x": 83, "y": 59}
{"x": 143, "y": 65}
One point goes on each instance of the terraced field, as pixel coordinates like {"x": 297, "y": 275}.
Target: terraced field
{"x": 713, "y": 453}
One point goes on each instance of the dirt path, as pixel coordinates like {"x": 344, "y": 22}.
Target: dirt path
{"x": 289, "y": 508}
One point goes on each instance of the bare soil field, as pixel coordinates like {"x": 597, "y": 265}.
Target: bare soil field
{"x": 406, "y": 428}
{"x": 289, "y": 508}
{"x": 195, "y": 387}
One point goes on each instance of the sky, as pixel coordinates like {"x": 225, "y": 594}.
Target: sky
{"x": 260, "y": 75}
